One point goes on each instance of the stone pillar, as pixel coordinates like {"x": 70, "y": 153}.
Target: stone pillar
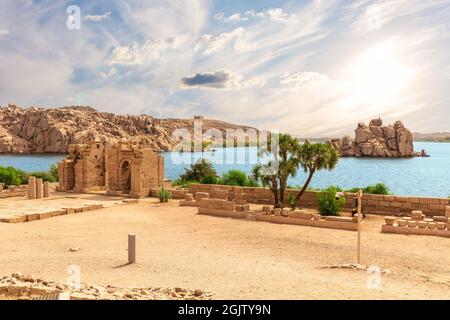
{"x": 39, "y": 188}
{"x": 31, "y": 187}
{"x": 46, "y": 189}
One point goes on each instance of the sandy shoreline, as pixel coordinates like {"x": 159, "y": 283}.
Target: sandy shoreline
{"x": 233, "y": 259}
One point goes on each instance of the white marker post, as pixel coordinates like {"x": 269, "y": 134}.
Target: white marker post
{"x": 131, "y": 248}
{"x": 359, "y": 209}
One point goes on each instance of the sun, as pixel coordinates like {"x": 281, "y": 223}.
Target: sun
{"x": 378, "y": 75}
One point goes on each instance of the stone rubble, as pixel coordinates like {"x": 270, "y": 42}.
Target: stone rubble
{"x": 25, "y": 287}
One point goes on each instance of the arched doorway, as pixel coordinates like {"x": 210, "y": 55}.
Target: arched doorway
{"x": 125, "y": 177}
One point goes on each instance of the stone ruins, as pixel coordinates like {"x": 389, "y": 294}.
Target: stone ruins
{"x": 377, "y": 140}
{"x": 37, "y": 189}
{"x": 121, "y": 169}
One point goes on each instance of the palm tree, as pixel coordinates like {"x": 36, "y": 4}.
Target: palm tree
{"x": 313, "y": 157}
{"x": 284, "y": 163}
{"x": 200, "y": 169}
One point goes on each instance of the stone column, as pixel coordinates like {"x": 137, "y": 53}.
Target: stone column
{"x": 39, "y": 188}
{"x": 31, "y": 187}
{"x": 46, "y": 189}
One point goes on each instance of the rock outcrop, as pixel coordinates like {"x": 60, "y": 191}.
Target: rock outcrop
{"x": 40, "y": 130}
{"x": 376, "y": 140}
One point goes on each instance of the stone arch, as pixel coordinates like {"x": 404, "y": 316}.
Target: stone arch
{"x": 125, "y": 175}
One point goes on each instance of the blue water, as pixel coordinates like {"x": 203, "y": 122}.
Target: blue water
{"x": 412, "y": 176}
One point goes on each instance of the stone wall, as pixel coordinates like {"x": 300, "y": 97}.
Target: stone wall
{"x": 372, "y": 204}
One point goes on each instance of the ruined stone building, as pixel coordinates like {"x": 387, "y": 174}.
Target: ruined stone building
{"x": 122, "y": 169}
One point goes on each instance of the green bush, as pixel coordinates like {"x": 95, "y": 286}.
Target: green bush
{"x": 210, "y": 179}
{"x": 291, "y": 201}
{"x": 164, "y": 195}
{"x": 199, "y": 170}
{"x": 54, "y": 171}
{"x": 44, "y": 175}
{"x": 327, "y": 202}
{"x": 237, "y": 178}
{"x": 234, "y": 178}
{"x": 9, "y": 176}
{"x": 379, "y": 188}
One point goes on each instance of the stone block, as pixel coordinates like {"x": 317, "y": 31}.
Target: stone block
{"x": 448, "y": 226}
{"x": 447, "y": 211}
{"x": 301, "y": 214}
{"x": 45, "y": 215}
{"x": 390, "y": 220}
{"x": 277, "y": 211}
{"x": 39, "y": 188}
{"x": 440, "y": 219}
{"x": 69, "y": 210}
{"x": 431, "y": 225}
{"x": 285, "y": 212}
{"x": 417, "y": 215}
{"x": 441, "y": 225}
{"x": 317, "y": 216}
{"x": 422, "y": 225}
{"x": 189, "y": 197}
{"x": 46, "y": 189}
{"x": 339, "y": 219}
{"x": 402, "y": 223}
{"x": 32, "y": 216}
{"x": 31, "y": 188}
{"x": 266, "y": 209}
{"x": 201, "y": 195}
{"x": 412, "y": 224}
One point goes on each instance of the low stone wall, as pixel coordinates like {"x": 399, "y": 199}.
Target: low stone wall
{"x": 372, "y": 204}
{"x": 13, "y": 191}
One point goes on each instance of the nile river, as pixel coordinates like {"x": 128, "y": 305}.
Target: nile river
{"x": 411, "y": 176}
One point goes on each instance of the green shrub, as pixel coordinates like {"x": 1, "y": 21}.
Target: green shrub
{"x": 44, "y": 175}
{"x": 164, "y": 195}
{"x": 327, "y": 202}
{"x": 379, "y": 188}
{"x": 54, "y": 171}
{"x": 291, "y": 201}
{"x": 198, "y": 171}
{"x": 9, "y": 176}
{"x": 210, "y": 179}
{"x": 234, "y": 178}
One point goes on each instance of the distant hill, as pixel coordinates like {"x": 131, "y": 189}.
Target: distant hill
{"x": 42, "y": 130}
{"x": 432, "y": 137}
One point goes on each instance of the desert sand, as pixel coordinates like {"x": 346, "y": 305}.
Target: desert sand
{"x": 233, "y": 259}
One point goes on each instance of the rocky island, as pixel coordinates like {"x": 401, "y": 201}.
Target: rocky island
{"x": 41, "y": 130}
{"x": 377, "y": 140}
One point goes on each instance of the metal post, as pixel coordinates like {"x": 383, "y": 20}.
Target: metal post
{"x": 359, "y": 209}
{"x": 131, "y": 248}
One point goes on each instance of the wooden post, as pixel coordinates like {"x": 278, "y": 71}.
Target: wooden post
{"x": 359, "y": 209}
{"x": 131, "y": 248}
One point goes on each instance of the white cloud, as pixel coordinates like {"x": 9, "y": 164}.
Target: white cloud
{"x": 376, "y": 15}
{"x": 112, "y": 72}
{"x": 274, "y": 14}
{"x": 4, "y": 32}
{"x": 209, "y": 44}
{"x": 97, "y": 18}
{"x": 150, "y": 51}
{"x": 303, "y": 79}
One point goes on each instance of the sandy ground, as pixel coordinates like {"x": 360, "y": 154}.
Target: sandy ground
{"x": 234, "y": 259}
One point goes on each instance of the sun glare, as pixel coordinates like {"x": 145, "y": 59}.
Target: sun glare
{"x": 378, "y": 75}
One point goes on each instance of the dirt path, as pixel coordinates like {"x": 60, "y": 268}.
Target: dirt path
{"x": 235, "y": 259}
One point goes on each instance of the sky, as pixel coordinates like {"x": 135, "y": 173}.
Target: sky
{"x": 310, "y": 68}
